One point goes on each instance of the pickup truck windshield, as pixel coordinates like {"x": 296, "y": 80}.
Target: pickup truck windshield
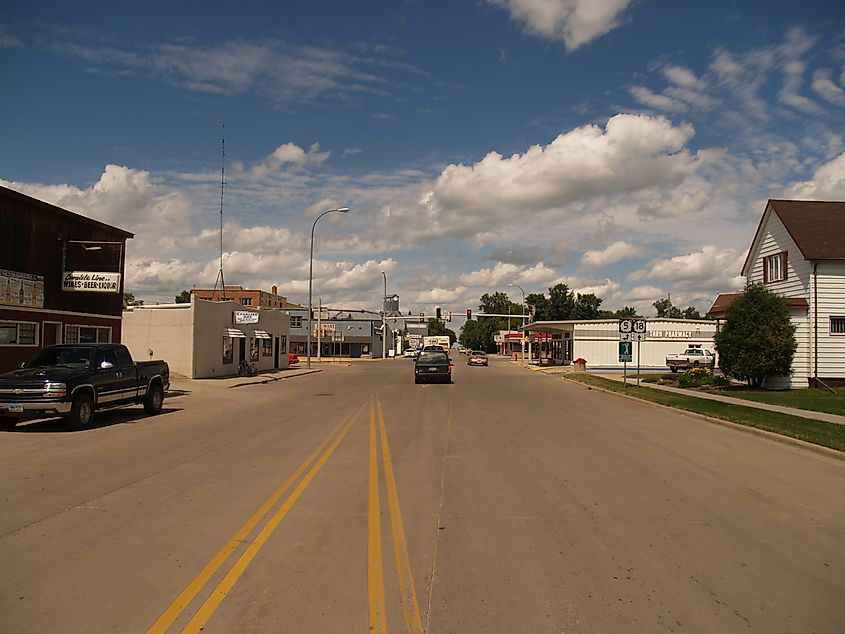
{"x": 68, "y": 357}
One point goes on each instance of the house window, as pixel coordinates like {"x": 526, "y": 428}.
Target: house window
{"x": 246, "y": 301}
{"x": 296, "y": 321}
{"x": 17, "y": 333}
{"x": 774, "y": 268}
{"x": 87, "y": 334}
{"x": 837, "y": 325}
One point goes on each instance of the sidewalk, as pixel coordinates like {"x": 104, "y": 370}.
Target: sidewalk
{"x": 792, "y": 411}
{"x": 225, "y": 382}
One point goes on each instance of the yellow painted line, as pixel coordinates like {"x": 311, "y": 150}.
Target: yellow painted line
{"x": 227, "y": 583}
{"x": 375, "y": 571}
{"x": 407, "y": 590}
{"x": 195, "y": 586}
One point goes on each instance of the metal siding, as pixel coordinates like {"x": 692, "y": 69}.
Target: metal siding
{"x": 831, "y": 298}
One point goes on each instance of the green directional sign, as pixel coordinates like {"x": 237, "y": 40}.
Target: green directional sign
{"x": 626, "y": 351}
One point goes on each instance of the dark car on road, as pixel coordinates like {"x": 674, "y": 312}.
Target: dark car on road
{"x": 433, "y": 366}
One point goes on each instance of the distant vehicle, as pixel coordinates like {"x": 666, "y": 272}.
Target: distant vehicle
{"x": 691, "y": 358}
{"x": 477, "y": 357}
{"x": 462, "y": 349}
{"x": 437, "y": 340}
{"x": 433, "y": 366}
{"x": 293, "y": 358}
{"x": 410, "y": 353}
{"x": 73, "y": 381}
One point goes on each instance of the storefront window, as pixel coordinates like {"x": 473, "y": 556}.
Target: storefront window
{"x": 87, "y": 334}
{"x": 17, "y": 333}
{"x": 253, "y": 349}
{"x": 266, "y": 347}
{"x": 228, "y": 351}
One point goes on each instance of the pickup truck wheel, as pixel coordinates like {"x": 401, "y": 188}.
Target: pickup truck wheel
{"x": 7, "y": 422}
{"x": 673, "y": 369}
{"x": 81, "y": 412}
{"x": 154, "y": 400}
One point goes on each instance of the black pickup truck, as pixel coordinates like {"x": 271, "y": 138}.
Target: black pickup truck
{"x": 75, "y": 380}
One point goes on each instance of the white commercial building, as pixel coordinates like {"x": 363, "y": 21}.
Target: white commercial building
{"x": 597, "y": 341}
{"x": 205, "y": 339}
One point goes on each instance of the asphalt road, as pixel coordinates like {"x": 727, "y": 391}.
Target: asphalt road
{"x": 352, "y": 500}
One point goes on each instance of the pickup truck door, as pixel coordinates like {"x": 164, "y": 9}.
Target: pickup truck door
{"x": 107, "y": 381}
{"x": 128, "y": 374}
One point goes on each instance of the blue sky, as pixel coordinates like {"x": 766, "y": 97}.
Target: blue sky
{"x": 622, "y": 148}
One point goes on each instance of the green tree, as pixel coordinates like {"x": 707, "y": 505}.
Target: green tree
{"x": 665, "y": 308}
{"x": 586, "y": 306}
{"x": 184, "y": 297}
{"x": 539, "y": 303}
{"x": 130, "y": 300}
{"x": 438, "y": 328}
{"x": 691, "y": 312}
{"x": 758, "y": 338}
{"x": 561, "y": 302}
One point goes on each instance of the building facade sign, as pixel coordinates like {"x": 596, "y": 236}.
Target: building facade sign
{"x": 91, "y": 282}
{"x": 246, "y": 317}
{"x": 21, "y": 289}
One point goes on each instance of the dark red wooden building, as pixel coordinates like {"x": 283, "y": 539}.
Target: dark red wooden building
{"x": 61, "y": 278}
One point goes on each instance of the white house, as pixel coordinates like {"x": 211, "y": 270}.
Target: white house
{"x": 798, "y": 251}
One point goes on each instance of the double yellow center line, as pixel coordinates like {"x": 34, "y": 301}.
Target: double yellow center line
{"x": 375, "y": 585}
{"x": 310, "y": 467}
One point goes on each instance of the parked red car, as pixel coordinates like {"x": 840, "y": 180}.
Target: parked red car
{"x": 293, "y": 359}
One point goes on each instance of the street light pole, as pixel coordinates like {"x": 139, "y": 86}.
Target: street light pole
{"x": 342, "y": 210}
{"x": 384, "y": 319}
{"x": 522, "y": 338}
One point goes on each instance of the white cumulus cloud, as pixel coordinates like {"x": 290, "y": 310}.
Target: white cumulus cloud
{"x": 574, "y": 22}
{"x": 615, "y": 252}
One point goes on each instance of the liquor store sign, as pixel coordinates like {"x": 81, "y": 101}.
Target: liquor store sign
{"x": 91, "y": 282}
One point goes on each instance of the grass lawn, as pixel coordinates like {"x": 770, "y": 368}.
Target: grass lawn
{"x": 810, "y": 399}
{"x": 814, "y": 431}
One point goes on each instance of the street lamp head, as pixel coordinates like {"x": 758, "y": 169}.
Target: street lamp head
{"x": 343, "y": 210}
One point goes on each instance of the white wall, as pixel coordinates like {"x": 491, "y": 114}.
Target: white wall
{"x": 166, "y": 331}
{"x": 190, "y": 336}
{"x": 598, "y": 341}
{"x": 831, "y": 303}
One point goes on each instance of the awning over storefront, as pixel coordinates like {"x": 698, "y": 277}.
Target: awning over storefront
{"x": 235, "y": 333}
{"x": 260, "y": 334}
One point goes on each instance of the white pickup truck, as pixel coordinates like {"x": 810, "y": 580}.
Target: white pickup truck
{"x": 691, "y": 358}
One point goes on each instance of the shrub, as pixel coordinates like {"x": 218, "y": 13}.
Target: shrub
{"x": 722, "y": 381}
{"x": 696, "y": 377}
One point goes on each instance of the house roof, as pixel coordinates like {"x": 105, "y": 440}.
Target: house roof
{"x": 717, "y": 310}
{"x": 724, "y": 300}
{"x": 12, "y": 194}
{"x": 816, "y": 226}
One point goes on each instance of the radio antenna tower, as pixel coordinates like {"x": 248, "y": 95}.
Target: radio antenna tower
{"x": 222, "y": 187}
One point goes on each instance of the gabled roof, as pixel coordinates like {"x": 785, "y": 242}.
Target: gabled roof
{"x": 12, "y": 194}
{"x": 817, "y": 228}
{"x": 724, "y": 300}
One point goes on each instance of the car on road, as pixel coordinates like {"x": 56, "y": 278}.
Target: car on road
{"x": 433, "y": 366}
{"x": 74, "y": 381}
{"x": 410, "y": 353}
{"x": 293, "y": 358}
{"x": 477, "y": 357}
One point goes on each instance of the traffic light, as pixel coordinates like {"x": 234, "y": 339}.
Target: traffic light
{"x": 469, "y": 314}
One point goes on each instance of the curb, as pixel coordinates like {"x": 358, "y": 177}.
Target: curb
{"x": 780, "y": 438}
{"x": 273, "y": 379}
